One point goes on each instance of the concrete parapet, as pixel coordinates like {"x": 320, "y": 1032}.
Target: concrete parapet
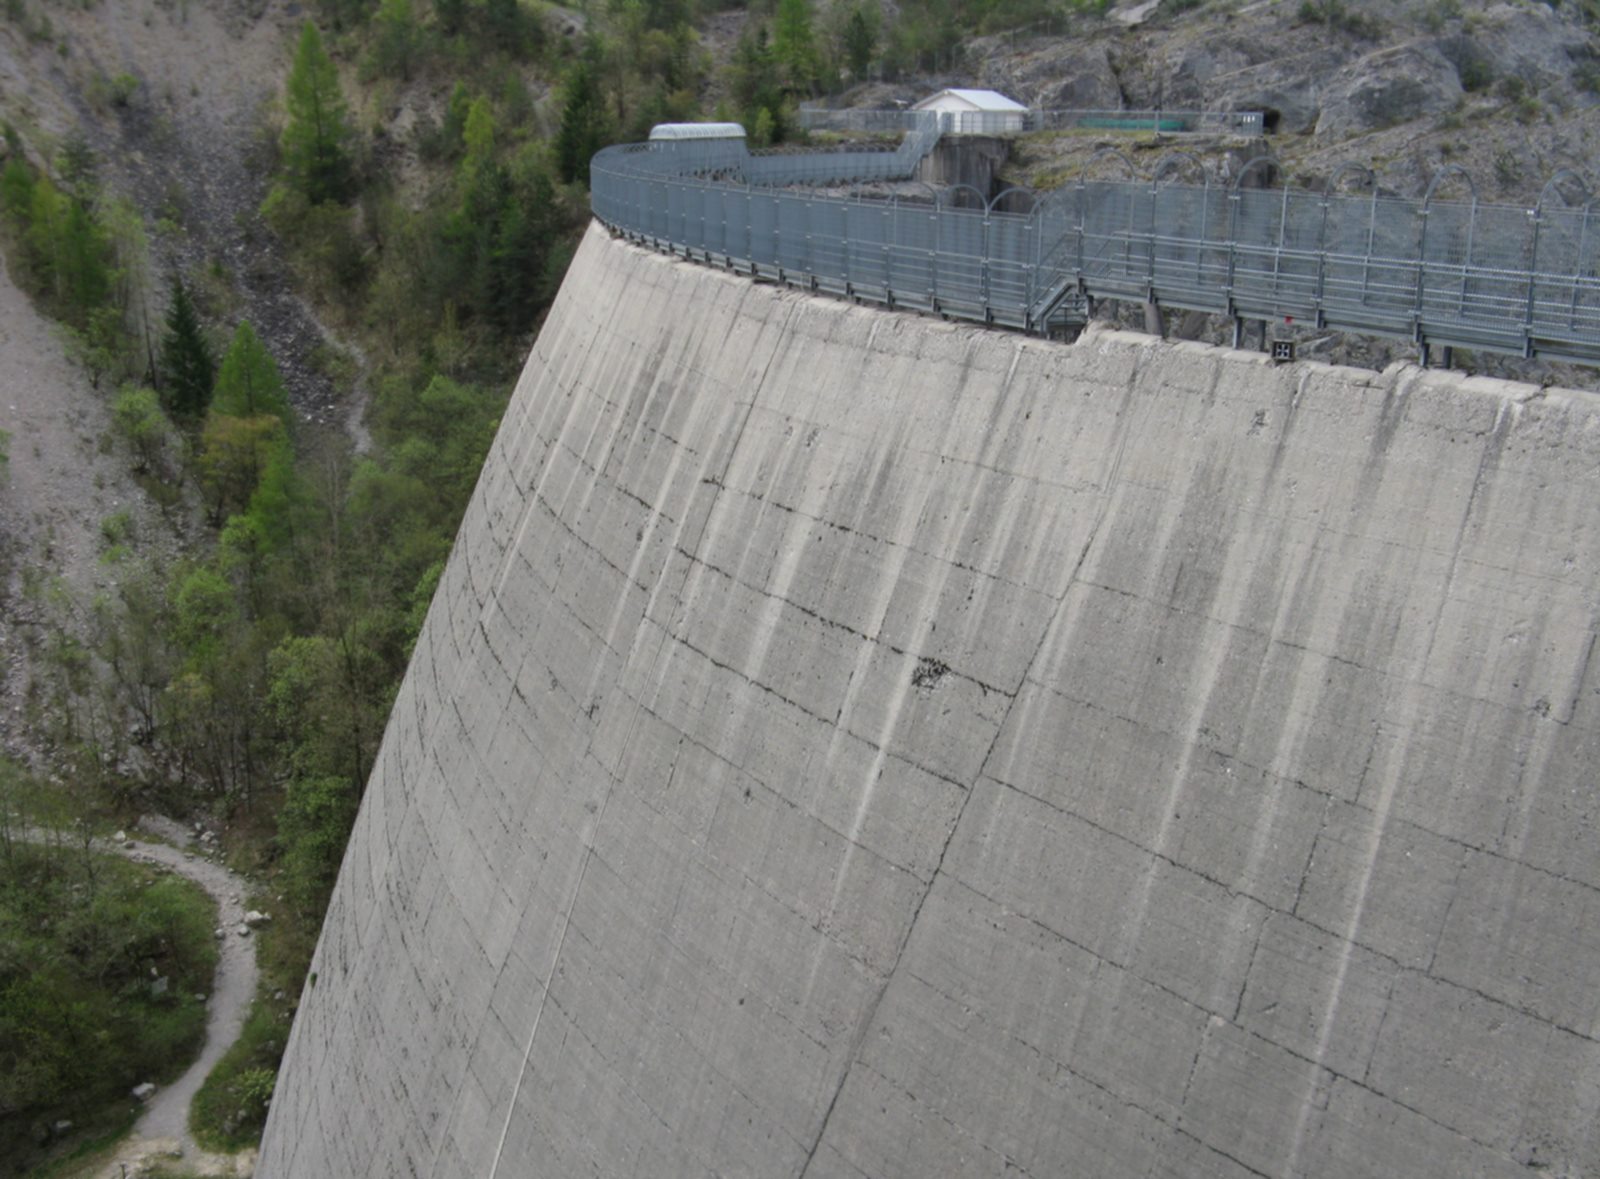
{"x": 847, "y": 744}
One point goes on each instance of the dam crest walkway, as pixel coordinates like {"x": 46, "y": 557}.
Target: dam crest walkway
{"x": 1443, "y": 273}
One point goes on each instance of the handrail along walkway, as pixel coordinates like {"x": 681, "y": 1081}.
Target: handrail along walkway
{"x": 1442, "y": 273}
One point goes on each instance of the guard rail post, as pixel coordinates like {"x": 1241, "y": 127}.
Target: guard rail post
{"x": 1421, "y": 286}
{"x": 1534, "y": 215}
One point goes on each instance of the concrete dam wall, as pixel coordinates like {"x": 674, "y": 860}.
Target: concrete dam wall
{"x": 847, "y": 744}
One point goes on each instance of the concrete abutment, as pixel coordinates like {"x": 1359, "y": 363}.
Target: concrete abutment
{"x": 845, "y": 743}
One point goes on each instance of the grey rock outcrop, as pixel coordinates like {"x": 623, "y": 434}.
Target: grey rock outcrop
{"x": 1387, "y": 87}
{"x": 1080, "y": 78}
{"x": 1287, "y": 89}
{"x": 1530, "y": 43}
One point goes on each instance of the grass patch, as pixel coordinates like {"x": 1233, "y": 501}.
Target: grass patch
{"x": 100, "y": 964}
{"x": 231, "y": 1107}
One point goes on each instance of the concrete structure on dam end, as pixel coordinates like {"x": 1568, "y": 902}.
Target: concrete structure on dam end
{"x": 848, "y": 744}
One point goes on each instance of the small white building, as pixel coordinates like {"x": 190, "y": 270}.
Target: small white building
{"x": 976, "y": 112}
{"x": 664, "y": 131}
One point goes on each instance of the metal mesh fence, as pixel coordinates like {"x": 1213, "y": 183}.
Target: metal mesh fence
{"x": 1243, "y": 123}
{"x": 1503, "y": 278}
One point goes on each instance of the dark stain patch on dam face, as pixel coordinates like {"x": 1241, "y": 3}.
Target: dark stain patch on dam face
{"x": 976, "y": 755}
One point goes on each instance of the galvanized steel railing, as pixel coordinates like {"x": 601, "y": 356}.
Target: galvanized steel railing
{"x": 1502, "y": 278}
{"x": 1243, "y": 123}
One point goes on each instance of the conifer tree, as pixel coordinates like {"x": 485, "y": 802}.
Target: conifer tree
{"x": 316, "y": 158}
{"x": 248, "y": 384}
{"x": 448, "y": 15}
{"x": 78, "y": 166}
{"x": 794, "y": 45}
{"x": 583, "y": 120}
{"x": 395, "y": 46}
{"x": 16, "y": 190}
{"x": 860, "y": 39}
{"x": 188, "y": 367}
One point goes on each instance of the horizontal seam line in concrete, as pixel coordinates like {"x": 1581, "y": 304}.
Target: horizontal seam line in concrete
{"x": 796, "y": 705}
{"x": 1021, "y": 476}
{"x": 745, "y": 772}
{"x": 874, "y": 538}
{"x": 815, "y": 925}
{"x": 1206, "y": 1013}
{"x": 833, "y": 624}
{"x": 614, "y": 485}
{"x": 1234, "y": 758}
{"x": 1547, "y": 1020}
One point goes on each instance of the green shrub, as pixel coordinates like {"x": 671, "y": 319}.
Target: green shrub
{"x": 101, "y": 961}
{"x": 1476, "y": 73}
{"x": 231, "y": 1106}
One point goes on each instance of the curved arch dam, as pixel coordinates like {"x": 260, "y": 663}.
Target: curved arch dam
{"x": 848, "y": 744}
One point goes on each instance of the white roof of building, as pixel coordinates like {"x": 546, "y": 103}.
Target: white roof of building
{"x": 980, "y": 100}
{"x": 697, "y": 131}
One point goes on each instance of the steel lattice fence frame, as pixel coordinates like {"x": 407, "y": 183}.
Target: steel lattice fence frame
{"x": 1496, "y": 277}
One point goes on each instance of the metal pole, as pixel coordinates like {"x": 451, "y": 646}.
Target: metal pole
{"x": 1233, "y": 261}
{"x": 1422, "y": 270}
{"x": 1081, "y": 202}
{"x": 1322, "y": 258}
{"x": 1577, "y": 268}
{"x": 1277, "y": 255}
{"x": 1533, "y": 266}
{"x": 1366, "y": 262}
{"x": 983, "y": 272}
{"x": 889, "y": 219}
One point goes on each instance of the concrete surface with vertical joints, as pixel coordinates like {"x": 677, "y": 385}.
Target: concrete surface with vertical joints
{"x": 847, "y": 744}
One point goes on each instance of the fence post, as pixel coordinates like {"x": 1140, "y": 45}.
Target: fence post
{"x": 844, "y": 244}
{"x": 890, "y": 219}
{"x": 1322, "y": 258}
{"x": 1537, "y": 215}
{"x": 983, "y": 275}
{"x": 1150, "y": 244}
{"x": 1081, "y": 203}
{"x": 1036, "y": 227}
{"x": 1534, "y": 215}
{"x": 1422, "y": 239}
{"x": 1577, "y": 268}
{"x": 1233, "y": 260}
{"x": 1421, "y": 287}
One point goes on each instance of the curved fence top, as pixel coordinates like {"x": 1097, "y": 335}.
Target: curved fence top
{"x": 1438, "y": 271}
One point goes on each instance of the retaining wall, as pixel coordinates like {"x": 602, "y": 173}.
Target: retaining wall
{"x": 848, "y": 744}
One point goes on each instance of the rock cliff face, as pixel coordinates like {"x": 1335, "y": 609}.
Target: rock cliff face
{"x": 847, "y": 744}
{"x": 1506, "y": 90}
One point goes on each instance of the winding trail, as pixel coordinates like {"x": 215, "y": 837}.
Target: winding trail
{"x": 167, "y": 1116}
{"x": 163, "y": 1129}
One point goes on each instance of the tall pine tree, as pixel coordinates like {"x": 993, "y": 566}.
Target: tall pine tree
{"x": 316, "y": 158}
{"x": 248, "y": 384}
{"x": 188, "y": 367}
{"x": 583, "y": 119}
